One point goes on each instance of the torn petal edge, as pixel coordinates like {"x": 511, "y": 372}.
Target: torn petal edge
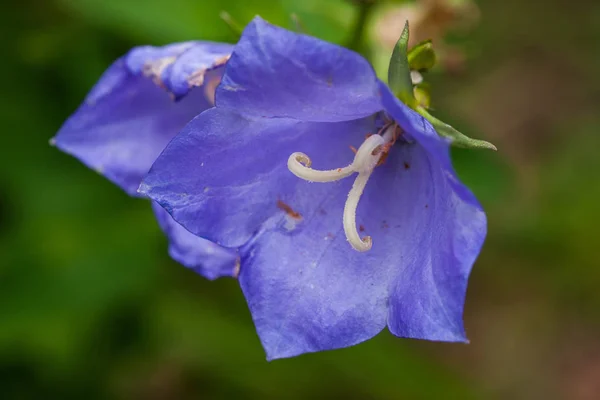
{"x": 160, "y": 72}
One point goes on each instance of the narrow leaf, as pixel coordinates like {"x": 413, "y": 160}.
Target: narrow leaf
{"x": 458, "y": 139}
{"x": 399, "y": 78}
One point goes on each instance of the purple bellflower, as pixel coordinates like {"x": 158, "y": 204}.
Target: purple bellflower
{"x": 127, "y": 119}
{"x": 343, "y": 201}
{"x": 239, "y": 174}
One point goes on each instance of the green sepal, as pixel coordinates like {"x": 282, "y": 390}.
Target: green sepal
{"x": 458, "y": 139}
{"x": 399, "y": 79}
{"x": 423, "y": 95}
{"x": 422, "y": 56}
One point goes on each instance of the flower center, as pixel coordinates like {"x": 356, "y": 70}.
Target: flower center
{"x": 369, "y": 155}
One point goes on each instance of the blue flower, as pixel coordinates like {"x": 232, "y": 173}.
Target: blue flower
{"x": 304, "y": 151}
{"x": 131, "y": 114}
{"x": 239, "y": 175}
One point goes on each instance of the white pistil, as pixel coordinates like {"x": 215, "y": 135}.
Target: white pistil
{"x": 365, "y": 161}
{"x": 368, "y": 154}
{"x": 299, "y": 165}
{"x": 349, "y": 219}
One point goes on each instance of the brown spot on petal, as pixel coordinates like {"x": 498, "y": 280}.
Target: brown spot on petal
{"x": 406, "y": 165}
{"x": 221, "y": 60}
{"x": 153, "y": 69}
{"x": 210, "y": 86}
{"x": 361, "y": 228}
{"x": 288, "y": 210}
{"x": 197, "y": 77}
{"x": 237, "y": 267}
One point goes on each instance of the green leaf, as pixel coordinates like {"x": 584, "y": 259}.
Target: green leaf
{"x": 423, "y": 95}
{"x": 458, "y": 139}
{"x": 399, "y": 71}
{"x": 147, "y": 22}
{"x": 422, "y": 56}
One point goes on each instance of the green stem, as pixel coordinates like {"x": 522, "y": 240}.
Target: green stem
{"x": 298, "y": 25}
{"x": 236, "y": 28}
{"x": 364, "y": 12}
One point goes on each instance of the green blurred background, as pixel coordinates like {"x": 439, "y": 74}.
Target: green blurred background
{"x": 91, "y": 307}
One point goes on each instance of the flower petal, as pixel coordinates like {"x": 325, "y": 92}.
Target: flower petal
{"x": 178, "y": 67}
{"x": 309, "y": 291}
{"x": 274, "y": 72}
{"x": 206, "y": 258}
{"x": 416, "y": 127}
{"x": 190, "y": 69}
{"x": 442, "y": 233}
{"x": 127, "y": 120}
{"x": 223, "y": 175}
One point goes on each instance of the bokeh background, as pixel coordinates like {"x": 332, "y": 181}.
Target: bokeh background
{"x": 91, "y": 307}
